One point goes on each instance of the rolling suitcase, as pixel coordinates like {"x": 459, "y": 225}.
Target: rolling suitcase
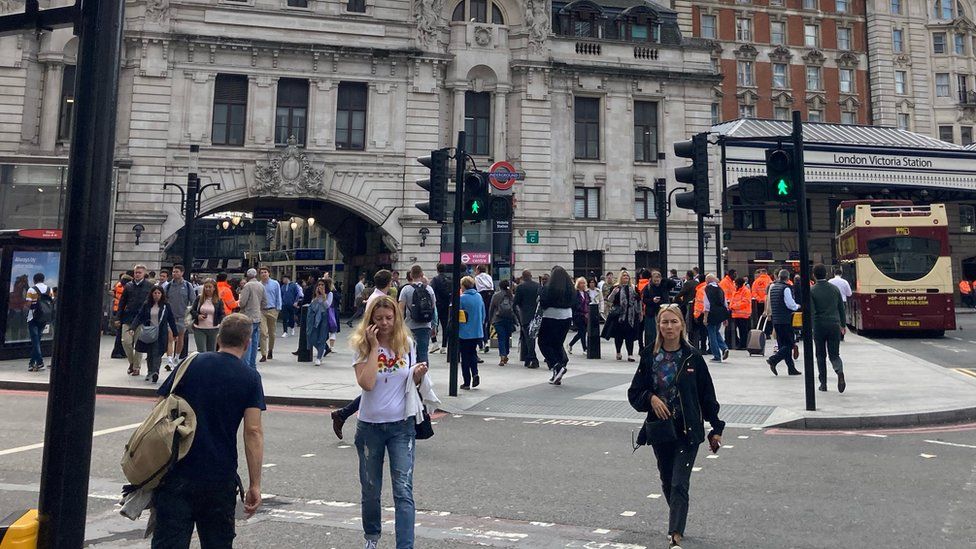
{"x": 756, "y": 344}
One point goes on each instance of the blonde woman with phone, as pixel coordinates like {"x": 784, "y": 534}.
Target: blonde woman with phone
{"x": 207, "y": 312}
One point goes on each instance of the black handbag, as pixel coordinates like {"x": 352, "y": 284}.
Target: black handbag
{"x": 425, "y": 429}
{"x": 660, "y": 431}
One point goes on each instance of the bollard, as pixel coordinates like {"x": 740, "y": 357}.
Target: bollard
{"x": 19, "y": 530}
{"x": 304, "y": 353}
{"x": 593, "y": 332}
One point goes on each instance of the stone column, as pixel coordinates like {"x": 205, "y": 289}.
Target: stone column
{"x": 51, "y": 105}
{"x": 458, "y": 112}
{"x": 499, "y": 149}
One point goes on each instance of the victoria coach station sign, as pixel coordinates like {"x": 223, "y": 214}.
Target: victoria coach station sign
{"x": 850, "y": 155}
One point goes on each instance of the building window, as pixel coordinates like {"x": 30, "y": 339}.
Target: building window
{"x": 966, "y": 133}
{"x": 781, "y": 113}
{"x": 904, "y": 121}
{"x": 775, "y": 2}
{"x": 297, "y": 3}
{"x": 708, "y": 26}
{"x": 716, "y": 113}
{"x": 959, "y": 41}
{"x": 898, "y": 40}
{"x": 745, "y": 74}
{"x": 942, "y": 84}
{"x": 478, "y": 12}
{"x": 477, "y": 122}
{"x": 939, "y": 42}
{"x": 291, "y": 114}
{"x": 900, "y": 82}
{"x": 587, "y": 263}
{"x": 66, "y": 116}
{"x": 747, "y": 111}
{"x": 587, "y": 203}
{"x": 645, "y": 131}
{"x": 716, "y": 65}
{"x": 356, "y": 6}
{"x": 848, "y": 117}
{"x": 587, "y": 118}
{"x": 844, "y": 38}
{"x": 810, "y": 39}
{"x": 747, "y": 220}
{"x": 230, "y": 108}
{"x": 743, "y": 29}
{"x": 814, "y": 115}
{"x": 813, "y": 78}
{"x": 841, "y": 6}
{"x": 809, "y": 4}
{"x": 846, "y": 80}
{"x": 644, "y": 207}
{"x": 351, "y": 116}
{"x": 946, "y": 133}
{"x": 777, "y": 32}
{"x": 962, "y": 81}
{"x": 779, "y": 75}
{"x": 967, "y": 218}
{"x": 896, "y": 7}
{"x": 496, "y": 15}
{"x": 942, "y": 9}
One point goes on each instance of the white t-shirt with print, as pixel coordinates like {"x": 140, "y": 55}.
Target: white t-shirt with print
{"x": 386, "y": 403}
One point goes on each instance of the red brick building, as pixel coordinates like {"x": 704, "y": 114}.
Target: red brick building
{"x": 783, "y": 55}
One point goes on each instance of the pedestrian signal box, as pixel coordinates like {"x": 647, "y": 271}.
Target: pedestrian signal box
{"x": 781, "y": 186}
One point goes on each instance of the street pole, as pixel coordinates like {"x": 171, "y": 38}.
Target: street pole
{"x": 453, "y": 348}
{"x": 661, "y": 200}
{"x": 718, "y": 251}
{"x": 190, "y": 210}
{"x": 802, "y": 222}
{"x": 66, "y": 460}
{"x": 701, "y": 245}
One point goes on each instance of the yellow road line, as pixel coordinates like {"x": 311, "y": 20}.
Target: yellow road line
{"x": 971, "y": 372}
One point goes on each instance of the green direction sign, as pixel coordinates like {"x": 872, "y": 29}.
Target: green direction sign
{"x": 531, "y": 237}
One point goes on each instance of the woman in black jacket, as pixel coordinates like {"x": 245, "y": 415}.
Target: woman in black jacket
{"x": 673, "y": 383}
{"x": 624, "y": 321}
{"x": 155, "y": 312}
{"x": 556, "y": 301}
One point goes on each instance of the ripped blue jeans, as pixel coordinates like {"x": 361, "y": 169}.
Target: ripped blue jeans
{"x": 373, "y": 441}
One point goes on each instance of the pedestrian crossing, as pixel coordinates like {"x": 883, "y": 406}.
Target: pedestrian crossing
{"x": 971, "y": 372}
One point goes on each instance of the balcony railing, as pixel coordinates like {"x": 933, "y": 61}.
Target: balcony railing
{"x": 967, "y": 97}
{"x": 588, "y": 48}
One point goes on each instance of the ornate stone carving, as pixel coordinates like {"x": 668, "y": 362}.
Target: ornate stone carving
{"x": 482, "y": 36}
{"x": 538, "y": 23}
{"x": 157, "y": 10}
{"x": 746, "y": 52}
{"x": 781, "y": 53}
{"x": 848, "y": 60}
{"x": 815, "y": 57}
{"x": 427, "y": 14}
{"x": 288, "y": 173}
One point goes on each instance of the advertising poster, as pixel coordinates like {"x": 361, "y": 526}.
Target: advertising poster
{"x": 24, "y": 266}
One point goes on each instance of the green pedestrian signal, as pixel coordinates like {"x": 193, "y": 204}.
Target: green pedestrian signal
{"x": 782, "y": 188}
{"x": 779, "y": 173}
{"x": 475, "y": 207}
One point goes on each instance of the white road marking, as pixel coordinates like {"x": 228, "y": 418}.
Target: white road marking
{"x": 628, "y": 513}
{"x": 94, "y": 434}
{"x": 308, "y": 455}
{"x": 269, "y": 465}
{"x": 874, "y": 435}
{"x": 927, "y": 456}
{"x": 493, "y": 419}
{"x": 344, "y": 446}
{"x": 696, "y": 469}
{"x": 653, "y": 496}
{"x": 713, "y": 456}
{"x": 543, "y": 524}
{"x": 954, "y": 444}
{"x": 601, "y": 531}
{"x": 727, "y": 446}
{"x": 756, "y": 429}
{"x": 743, "y": 437}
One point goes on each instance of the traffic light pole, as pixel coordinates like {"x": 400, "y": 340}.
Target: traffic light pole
{"x": 802, "y": 222}
{"x": 453, "y": 348}
{"x": 661, "y": 199}
{"x": 701, "y": 245}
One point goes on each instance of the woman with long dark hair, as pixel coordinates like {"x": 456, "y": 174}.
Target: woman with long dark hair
{"x": 318, "y": 333}
{"x": 503, "y": 318}
{"x": 154, "y": 314}
{"x": 556, "y": 301}
{"x": 581, "y": 312}
{"x": 624, "y": 321}
{"x": 207, "y": 312}
{"x": 672, "y": 384}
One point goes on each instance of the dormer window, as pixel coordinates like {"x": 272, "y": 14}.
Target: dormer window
{"x": 581, "y": 18}
{"x": 476, "y": 11}
{"x": 639, "y": 24}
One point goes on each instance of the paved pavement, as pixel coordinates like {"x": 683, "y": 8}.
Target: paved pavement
{"x": 885, "y": 387}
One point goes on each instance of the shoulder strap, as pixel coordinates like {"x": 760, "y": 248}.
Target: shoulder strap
{"x": 181, "y": 369}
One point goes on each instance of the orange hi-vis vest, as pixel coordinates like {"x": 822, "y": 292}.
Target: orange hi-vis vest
{"x": 699, "y": 299}
{"x": 965, "y": 288}
{"x": 759, "y": 287}
{"x": 741, "y": 302}
{"x": 728, "y": 286}
{"x": 227, "y": 296}
{"x": 119, "y": 288}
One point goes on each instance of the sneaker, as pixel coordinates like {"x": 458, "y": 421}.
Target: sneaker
{"x": 284, "y": 335}
{"x": 318, "y": 361}
{"x": 553, "y": 376}
{"x": 155, "y": 378}
{"x": 370, "y": 544}
{"x": 556, "y": 379}
{"x": 476, "y": 381}
{"x": 443, "y": 350}
{"x": 435, "y": 348}
{"x": 672, "y": 543}
{"x": 39, "y": 367}
{"x": 148, "y": 377}
{"x": 30, "y": 367}
{"x": 570, "y": 349}
{"x": 466, "y": 387}
{"x": 292, "y": 331}
{"x": 170, "y": 361}
{"x": 725, "y": 354}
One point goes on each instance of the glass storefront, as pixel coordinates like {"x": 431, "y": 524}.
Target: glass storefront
{"x": 31, "y": 196}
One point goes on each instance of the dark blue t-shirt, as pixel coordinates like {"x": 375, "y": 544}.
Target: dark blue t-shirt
{"x": 219, "y": 387}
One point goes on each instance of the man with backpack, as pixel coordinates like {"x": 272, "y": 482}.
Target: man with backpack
{"x": 39, "y": 315}
{"x": 417, "y": 302}
{"x": 201, "y": 488}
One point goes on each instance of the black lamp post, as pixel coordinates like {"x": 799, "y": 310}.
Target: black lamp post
{"x": 191, "y": 204}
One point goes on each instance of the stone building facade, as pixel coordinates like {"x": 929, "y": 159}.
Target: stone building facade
{"x": 320, "y": 108}
{"x": 777, "y": 56}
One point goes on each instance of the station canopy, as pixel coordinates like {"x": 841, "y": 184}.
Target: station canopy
{"x": 859, "y": 160}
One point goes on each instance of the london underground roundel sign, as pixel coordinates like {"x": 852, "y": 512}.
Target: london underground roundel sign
{"x": 502, "y": 175}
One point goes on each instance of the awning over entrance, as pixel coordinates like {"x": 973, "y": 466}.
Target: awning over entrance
{"x": 850, "y": 158}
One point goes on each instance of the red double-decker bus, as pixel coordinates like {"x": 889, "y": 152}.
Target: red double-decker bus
{"x": 895, "y": 254}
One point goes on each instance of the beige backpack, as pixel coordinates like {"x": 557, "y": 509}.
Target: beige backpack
{"x": 163, "y": 439}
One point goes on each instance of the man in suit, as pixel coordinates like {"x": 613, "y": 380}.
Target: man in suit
{"x": 526, "y": 301}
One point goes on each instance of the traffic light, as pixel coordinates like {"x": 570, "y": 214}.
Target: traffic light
{"x": 500, "y": 208}
{"x": 781, "y": 186}
{"x": 438, "y": 162}
{"x": 477, "y": 197}
{"x": 754, "y": 189}
{"x": 695, "y": 175}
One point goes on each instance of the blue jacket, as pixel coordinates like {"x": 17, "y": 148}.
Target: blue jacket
{"x": 291, "y": 294}
{"x": 474, "y": 308}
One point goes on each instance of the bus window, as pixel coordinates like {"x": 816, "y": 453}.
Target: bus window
{"x": 904, "y": 258}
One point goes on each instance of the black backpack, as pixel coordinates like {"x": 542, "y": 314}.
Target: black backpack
{"x": 506, "y": 309}
{"x": 422, "y": 305}
{"x": 44, "y": 306}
